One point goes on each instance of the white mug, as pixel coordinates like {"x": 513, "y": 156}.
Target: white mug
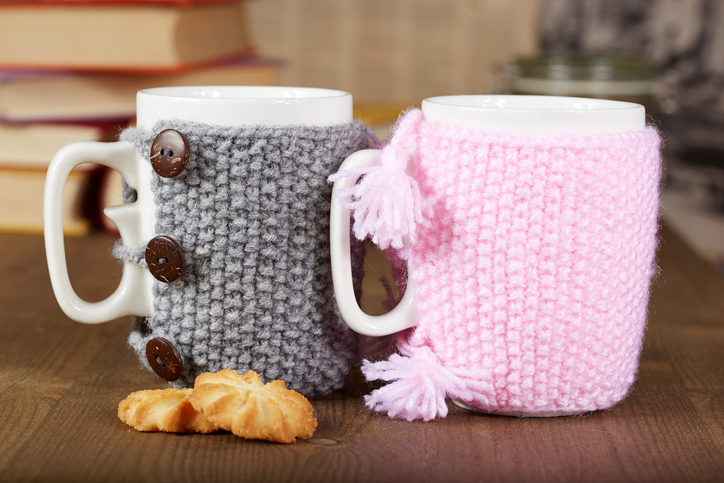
{"x": 251, "y": 193}
{"x": 529, "y": 227}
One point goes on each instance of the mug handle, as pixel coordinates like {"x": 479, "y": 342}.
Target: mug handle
{"x": 131, "y": 296}
{"x": 404, "y": 315}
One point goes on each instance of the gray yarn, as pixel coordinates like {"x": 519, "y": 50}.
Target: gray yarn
{"x": 251, "y": 213}
{"x": 127, "y": 254}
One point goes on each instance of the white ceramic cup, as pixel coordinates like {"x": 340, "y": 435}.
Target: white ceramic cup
{"x": 526, "y": 114}
{"x": 215, "y": 105}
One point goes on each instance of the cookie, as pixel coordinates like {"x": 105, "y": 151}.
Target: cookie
{"x": 247, "y": 407}
{"x": 165, "y": 410}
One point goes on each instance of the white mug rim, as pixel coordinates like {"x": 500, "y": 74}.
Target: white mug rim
{"x": 217, "y": 93}
{"x": 244, "y": 105}
{"x": 536, "y": 114}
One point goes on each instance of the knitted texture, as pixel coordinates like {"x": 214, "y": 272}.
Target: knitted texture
{"x": 390, "y": 209}
{"x": 251, "y": 213}
{"x": 531, "y": 272}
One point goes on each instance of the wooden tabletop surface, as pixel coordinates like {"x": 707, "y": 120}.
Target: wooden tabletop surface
{"x": 61, "y": 381}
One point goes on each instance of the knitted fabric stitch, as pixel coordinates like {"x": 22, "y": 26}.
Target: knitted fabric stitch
{"x": 251, "y": 213}
{"x": 531, "y": 278}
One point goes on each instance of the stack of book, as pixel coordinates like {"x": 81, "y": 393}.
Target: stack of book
{"x": 70, "y": 70}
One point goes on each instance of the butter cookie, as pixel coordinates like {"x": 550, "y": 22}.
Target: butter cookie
{"x": 247, "y": 407}
{"x": 165, "y": 410}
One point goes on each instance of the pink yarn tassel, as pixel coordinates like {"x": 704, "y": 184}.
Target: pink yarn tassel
{"x": 421, "y": 384}
{"x": 386, "y": 201}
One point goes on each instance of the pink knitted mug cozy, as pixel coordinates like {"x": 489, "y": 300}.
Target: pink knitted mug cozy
{"x": 531, "y": 257}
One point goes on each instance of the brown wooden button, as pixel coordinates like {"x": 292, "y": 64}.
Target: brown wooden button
{"x": 169, "y": 153}
{"x": 164, "y": 359}
{"x": 165, "y": 259}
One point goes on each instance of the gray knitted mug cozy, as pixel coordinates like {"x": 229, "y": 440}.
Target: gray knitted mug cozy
{"x": 251, "y": 214}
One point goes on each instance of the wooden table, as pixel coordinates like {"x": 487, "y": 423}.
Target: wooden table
{"x": 61, "y": 383}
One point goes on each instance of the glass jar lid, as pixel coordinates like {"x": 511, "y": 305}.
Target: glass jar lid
{"x": 588, "y": 76}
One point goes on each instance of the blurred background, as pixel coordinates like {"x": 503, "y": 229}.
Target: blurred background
{"x": 69, "y": 70}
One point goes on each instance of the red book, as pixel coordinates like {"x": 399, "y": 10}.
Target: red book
{"x": 114, "y": 3}
{"x": 138, "y": 36}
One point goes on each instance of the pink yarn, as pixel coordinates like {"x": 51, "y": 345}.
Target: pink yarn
{"x": 386, "y": 201}
{"x": 531, "y": 279}
{"x": 420, "y": 385}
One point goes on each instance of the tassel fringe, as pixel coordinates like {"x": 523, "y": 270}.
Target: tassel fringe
{"x": 420, "y": 384}
{"x": 386, "y": 201}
